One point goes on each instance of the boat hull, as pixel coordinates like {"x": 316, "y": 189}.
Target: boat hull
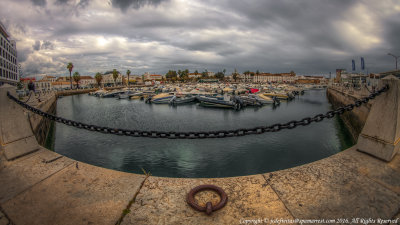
{"x": 185, "y": 100}
{"x": 213, "y": 102}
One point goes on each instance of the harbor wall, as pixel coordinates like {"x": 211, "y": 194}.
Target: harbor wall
{"x": 355, "y": 119}
{"x": 40, "y": 125}
{"x": 75, "y": 92}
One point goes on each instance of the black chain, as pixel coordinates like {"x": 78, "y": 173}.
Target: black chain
{"x": 203, "y": 134}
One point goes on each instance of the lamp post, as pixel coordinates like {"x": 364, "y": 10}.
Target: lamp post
{"x": 394, "y": 57}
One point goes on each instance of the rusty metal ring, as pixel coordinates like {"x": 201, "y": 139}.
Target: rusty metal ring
{"x": 209, "y": 208}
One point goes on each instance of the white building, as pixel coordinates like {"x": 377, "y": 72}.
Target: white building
{"x": 8, "y": 57}
{"x": 43, "y": 85}
{"x": 87, "y": 82}
{"x": 274, "y": 78}
{"x": 210, "y": 74}
{"x": 194, "y": 75}
{"x": 50, "y": 78}
{"x": 152, "y": 77}
{"x": 58, "y": 85}
{"x": 108, "y": 80}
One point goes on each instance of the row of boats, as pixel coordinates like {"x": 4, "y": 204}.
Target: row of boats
{"x": 222, "y": 98}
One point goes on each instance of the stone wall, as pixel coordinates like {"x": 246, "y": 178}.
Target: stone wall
{"x": 355, "y": 119}
{"x": 75, "y": 92}
{"x": 40, "y": 125}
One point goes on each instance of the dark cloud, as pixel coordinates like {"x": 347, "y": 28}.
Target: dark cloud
{"x": 392, "y": 34}
{"x": 43, "y": 45}
{"x": 23, "y": 54}
{"x": 268, "y": 35}
{"x": 60, "y": 2}
{"x": 81, "y": 3}
{"x": 36, "y": 46}
{"x": 136, "y": 4}
{"x": 39, "y": 2}
{"x": 47, "y": 45}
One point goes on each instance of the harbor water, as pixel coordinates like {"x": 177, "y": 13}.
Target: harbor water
{"x": 235, "y": 156}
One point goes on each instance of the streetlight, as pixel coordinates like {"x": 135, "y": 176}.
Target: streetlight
{"x": 394, "y": 57}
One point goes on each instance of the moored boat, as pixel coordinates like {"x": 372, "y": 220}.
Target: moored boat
{"x": 177, "y": 100}
{"x": 266, "y": 99}
{"x": 220, "y": 102}
{"x": 163, "y": 98}
{"x": 277, "y": 95}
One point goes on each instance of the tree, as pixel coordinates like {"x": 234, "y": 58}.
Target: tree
{"x": 70, "y": 66}
{"x": 196, "y": 72}
{"x": 77, "y": 78}
{"x": 204, "y": 74}
{"x": 171, "y": 74}
{"x": 115, "y": 76}
{"x": 185, "y": 74}
{"x": 235, "y": 75}
{"x": 128, "y": 72}
{"x": 98, "y": 78}
{"x": 220, "y": 75}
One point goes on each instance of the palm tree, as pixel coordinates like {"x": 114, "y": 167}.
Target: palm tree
{"x": 77, "y": 78}
{"x": 235, "y": 75}
{"x": 70, "y": 66}
{"x": 98, "y": 78}
{"x": 128, "y": 72}
{"x": 115, "y": 76}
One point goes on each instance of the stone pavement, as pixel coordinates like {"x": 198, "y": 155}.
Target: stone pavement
{"x": 351, "y": 184}
{"x": 348, "y": 185}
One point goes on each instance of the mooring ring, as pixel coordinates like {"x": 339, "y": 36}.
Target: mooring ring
{"x": 209, "y": 208}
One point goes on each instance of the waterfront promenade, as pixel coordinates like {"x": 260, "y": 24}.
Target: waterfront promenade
{"x": 42, "y": 187}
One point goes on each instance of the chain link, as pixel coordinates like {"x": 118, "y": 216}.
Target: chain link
{"x": 203, "y": 134}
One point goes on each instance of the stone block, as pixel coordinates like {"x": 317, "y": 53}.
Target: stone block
{"x": 380, "y": 136}
{"x": 14, "y": 124}
{"x": 75, "y": 195}
{"x": 19, "y": 175}
{"x": 20, "y": 148}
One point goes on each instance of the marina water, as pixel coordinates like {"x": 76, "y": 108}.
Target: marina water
{"x": 235, "y": 156}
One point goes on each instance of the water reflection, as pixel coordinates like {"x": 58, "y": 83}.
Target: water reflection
{"x": 197, "y": 158}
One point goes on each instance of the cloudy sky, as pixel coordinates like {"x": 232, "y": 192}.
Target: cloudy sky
{"x": 307, "y": 36}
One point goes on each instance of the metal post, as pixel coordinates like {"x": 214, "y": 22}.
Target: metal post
{"x": 396, "y": 57}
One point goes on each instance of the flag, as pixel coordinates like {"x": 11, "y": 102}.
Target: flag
{"x": 353, "y": 65}
{"x": 362, "y": 63}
